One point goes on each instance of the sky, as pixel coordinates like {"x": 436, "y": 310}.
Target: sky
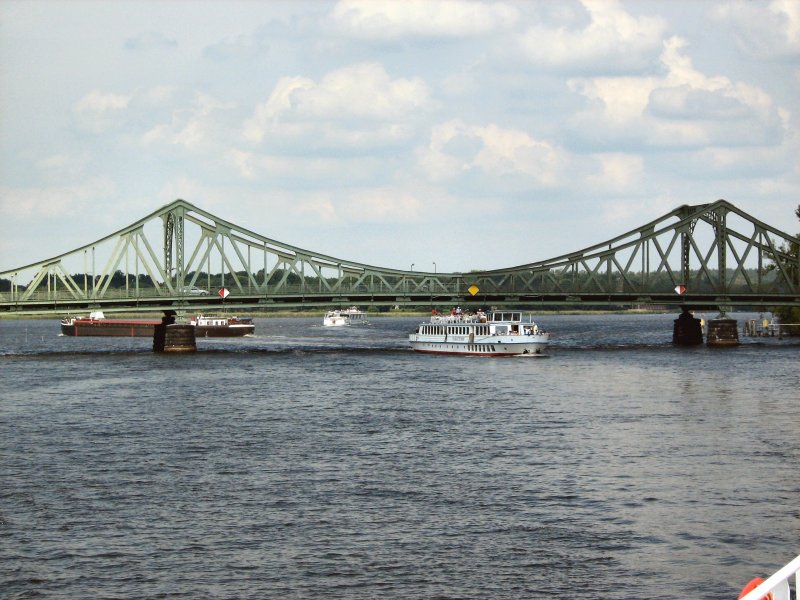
{"x": 450, "y": 135}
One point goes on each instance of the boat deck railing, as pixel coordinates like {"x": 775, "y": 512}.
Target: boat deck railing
{"x": 448, "y": 319}
{"x": 778, "y": 584}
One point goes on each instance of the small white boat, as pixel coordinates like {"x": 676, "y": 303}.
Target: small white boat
{"x": 340, "y": 318}
{"x": 500, "y": 333}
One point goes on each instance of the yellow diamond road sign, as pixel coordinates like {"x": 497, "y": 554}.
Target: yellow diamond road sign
{"x": 473, "y": 289}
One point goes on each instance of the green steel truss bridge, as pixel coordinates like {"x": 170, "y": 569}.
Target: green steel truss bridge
{"x": 181, "y": 258}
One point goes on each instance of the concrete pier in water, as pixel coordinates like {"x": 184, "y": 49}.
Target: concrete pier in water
{"x": 171, "y": 337}
{"x": 687, "y": 330}
{"x": 722, "y": 332}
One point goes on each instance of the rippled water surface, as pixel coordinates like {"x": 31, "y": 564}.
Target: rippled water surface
{"x": 311, "y": 462}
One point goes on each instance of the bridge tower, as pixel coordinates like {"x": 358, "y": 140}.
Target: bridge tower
{"x": 174, "y": 245}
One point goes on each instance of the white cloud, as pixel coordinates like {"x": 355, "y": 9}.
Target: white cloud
{"x": 383, "y": 204}
{"x": 281, "y": 100}
{"x": 613, "y": 41}
{"x": 98, "y": 112}
{"x": 361, "y": 91}
{"x": 442, "y": 18}
{"x": 456, "y": 148}
{"x": 301, "y": 119}
{"x": 360, "y": 205}
{"x": 103, "y": 112}
{"x": 61, "y": 167}
{"x": 619, "y": 172}
{"x": 53, "y": 202}
{"x": 158, "y": 96}
{"x": 240, "y": 47}
{"x": 766, "y": 30}
{"x": 193, "y": 128}
{"x": 684, "y": 107}
{"x": 98, "y": 102}
{"x": 683, "y": 102}
{"x": 317, "y": 206}
{"x": 150, "y": 40}
{"x": 360, "y": 105}
{"x": 621, "y": 216}
{"x": 307, "y": 172}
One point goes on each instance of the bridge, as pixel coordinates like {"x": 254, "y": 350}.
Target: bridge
{"x": 183, "y": 258}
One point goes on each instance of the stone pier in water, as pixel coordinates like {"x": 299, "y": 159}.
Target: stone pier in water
{"x": 171, "y": 337}
{"x": 687, "y": 330}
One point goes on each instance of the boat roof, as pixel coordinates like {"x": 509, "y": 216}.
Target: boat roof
{"x": 504, "y": 316}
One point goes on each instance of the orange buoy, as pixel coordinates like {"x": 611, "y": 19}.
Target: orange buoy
{"x": 751, "y": 585}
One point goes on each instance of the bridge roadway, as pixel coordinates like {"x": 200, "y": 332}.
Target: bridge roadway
{"x": 701, "y": 257}
{"x": 258, "y": 302}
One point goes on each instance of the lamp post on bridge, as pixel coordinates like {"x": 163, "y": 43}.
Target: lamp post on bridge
{"x": 434, "y": 266}
{"x": 412, "y": 266}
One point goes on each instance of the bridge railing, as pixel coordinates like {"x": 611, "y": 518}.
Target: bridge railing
{"x": 778, "y": 584}
{"x": 537, "y": 285}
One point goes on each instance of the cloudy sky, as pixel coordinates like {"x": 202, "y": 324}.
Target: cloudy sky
{"x": 467, "y": 134}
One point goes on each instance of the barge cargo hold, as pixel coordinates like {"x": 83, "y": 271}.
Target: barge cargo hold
{"x": 97, "y": 325}
{"x": 204, "y": 326}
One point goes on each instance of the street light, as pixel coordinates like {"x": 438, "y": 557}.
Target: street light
{"x": 434, "y": 266}
{"x": 412, "y": 266}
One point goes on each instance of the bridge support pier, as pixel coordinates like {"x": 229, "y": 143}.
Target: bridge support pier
{"x": 687, "y": 331}
{"x": 169, "y": 337}
{"x": 722, "y": 332}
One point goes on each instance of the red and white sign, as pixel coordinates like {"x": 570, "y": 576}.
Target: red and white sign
{"x": 224, "y": 293}
{"x": 680, "y": 289}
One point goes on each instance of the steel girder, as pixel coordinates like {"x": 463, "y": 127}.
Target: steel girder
{"x": 748, "y": 258}
{"x": 714, "y": 250}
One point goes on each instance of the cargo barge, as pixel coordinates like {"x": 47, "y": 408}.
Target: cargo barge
{"x": 96, "y": 324}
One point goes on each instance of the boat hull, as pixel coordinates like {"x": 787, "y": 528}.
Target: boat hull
{"x": 132, "y": 328}
{"x": 335, "y": 322}
{"x": 229, "y": 331}
{"x": 484, "y": 348}
{"x": 110, "y": 329}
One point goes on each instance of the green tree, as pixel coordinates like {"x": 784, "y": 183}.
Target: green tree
{"x": 789, "y": 314}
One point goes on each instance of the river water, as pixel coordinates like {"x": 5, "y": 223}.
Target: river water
{"x": 311, "y": 462}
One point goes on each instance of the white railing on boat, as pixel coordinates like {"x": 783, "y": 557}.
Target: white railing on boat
{"x": 778, "y": 584}
{"x": 446, "y": 319}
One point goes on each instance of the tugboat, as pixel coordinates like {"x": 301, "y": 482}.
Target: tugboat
{"x": 205, "y": 326}
{"x": 501, "y": 333}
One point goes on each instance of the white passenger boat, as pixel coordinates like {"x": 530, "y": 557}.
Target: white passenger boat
{"x": 500, "y": 333}
{"x": 349, "y": 316}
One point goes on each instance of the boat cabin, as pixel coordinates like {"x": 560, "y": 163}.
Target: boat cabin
{"x": 501, "y": 323}
{"x": 506, "y": 316}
